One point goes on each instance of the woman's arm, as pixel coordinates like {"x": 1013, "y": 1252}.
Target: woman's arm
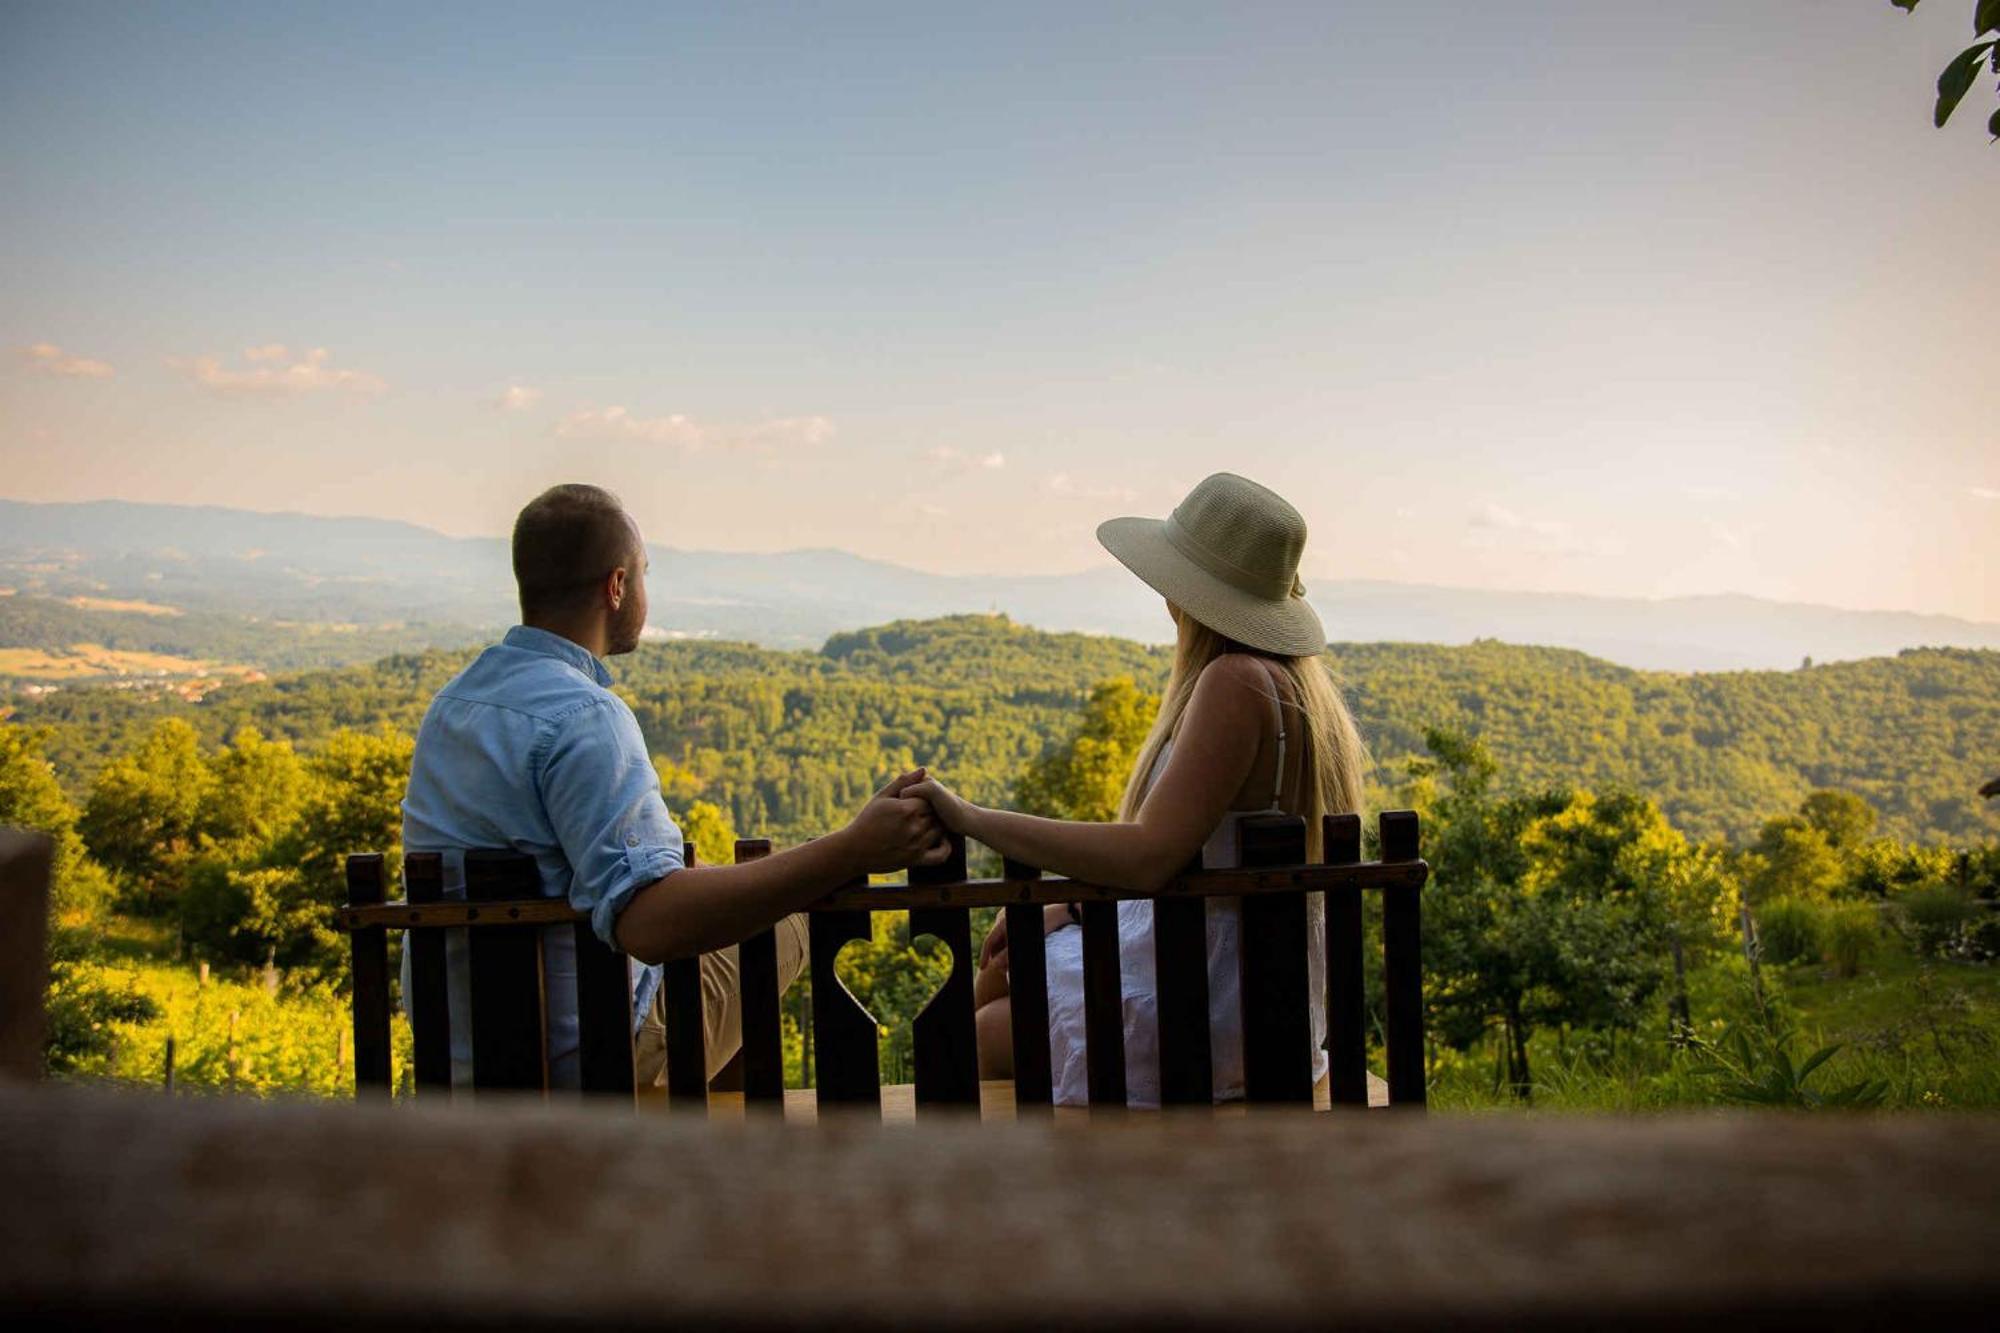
{"x": 1214, "y": 750}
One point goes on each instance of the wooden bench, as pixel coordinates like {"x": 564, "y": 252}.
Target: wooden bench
{"x": 504, "y": 913}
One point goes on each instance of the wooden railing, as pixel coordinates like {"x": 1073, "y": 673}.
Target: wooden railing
{"x": 505, "y": 912}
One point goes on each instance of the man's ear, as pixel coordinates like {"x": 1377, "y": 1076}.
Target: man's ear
{"x": 614, "y": 587}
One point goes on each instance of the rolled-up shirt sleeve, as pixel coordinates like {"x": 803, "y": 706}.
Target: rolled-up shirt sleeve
{"x": 603, "y": 799}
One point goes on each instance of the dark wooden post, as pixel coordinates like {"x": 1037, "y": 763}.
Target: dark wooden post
{"x": 603, "y": 1017}
{"x": 1403, "y": 964}
{"x": 944, "y": 1041}
{"x": 1346, "y": 985}
{"x": 430, "y": 1014}
{"x": 1103, "y": 1009}
{"x": 846, "y": 1064}
{"x": 370, "y": 977}
{"x": 763, "y": 1021}
{"x": 1028, "y": 995}
{"x": 1180, "y": 969}
{"x": 509, "y": 1015}
{"x": 25, "y": 863}
{"x": 687, "y": 1042}
{"x": 1276, "y": 985}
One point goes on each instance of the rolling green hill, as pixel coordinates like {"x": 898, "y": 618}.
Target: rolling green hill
{"x": 788, "y": 741}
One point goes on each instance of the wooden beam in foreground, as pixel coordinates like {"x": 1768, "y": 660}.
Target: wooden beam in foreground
{"x": 125, "y": 1210}
{"x": 24, "y": 968}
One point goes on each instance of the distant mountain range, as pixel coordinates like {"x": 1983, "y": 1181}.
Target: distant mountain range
{"x": 380, "y": 572}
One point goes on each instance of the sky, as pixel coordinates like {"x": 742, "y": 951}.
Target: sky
{"x": 1603, "y": 297}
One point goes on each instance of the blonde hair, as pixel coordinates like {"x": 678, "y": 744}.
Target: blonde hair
{"x": 1333, "y": 759}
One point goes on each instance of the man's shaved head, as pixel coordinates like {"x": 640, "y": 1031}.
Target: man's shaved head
{"x": 565, "y": 542}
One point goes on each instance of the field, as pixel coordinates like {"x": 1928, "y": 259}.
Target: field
{"x": 94, "y": 661}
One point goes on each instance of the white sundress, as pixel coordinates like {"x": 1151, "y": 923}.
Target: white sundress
{"x": 1067, "y": 1042}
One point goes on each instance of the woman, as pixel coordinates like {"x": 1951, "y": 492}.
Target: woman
{"x": 1250, "y": 723}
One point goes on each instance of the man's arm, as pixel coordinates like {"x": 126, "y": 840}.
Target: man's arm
{"x": 698, "y": 909}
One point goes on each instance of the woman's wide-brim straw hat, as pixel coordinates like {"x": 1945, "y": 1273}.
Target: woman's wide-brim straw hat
{"x": 1228, "y": 556}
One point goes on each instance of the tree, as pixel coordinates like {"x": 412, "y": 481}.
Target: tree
{"x": 706, "y": 828}
{"x": 1958, "y": 76}
{"x": 143, "y": 812}
{"x": 31, "y": 798}
{"x": 1084, "y": 776}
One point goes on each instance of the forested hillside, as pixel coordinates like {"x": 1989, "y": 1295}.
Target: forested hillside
{"x": 786, "y": 742}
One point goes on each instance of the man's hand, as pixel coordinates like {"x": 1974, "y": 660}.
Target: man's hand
{"x": 895, "y": 830}
{"x": 952, "y": 810}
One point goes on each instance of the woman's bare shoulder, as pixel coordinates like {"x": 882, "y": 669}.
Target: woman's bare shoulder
{"x": 1235, "y": 684}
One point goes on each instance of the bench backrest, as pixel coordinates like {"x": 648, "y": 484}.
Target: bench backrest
{"x": 504, "y": 912}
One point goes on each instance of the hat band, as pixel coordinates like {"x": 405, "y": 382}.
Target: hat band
{"x": 1273, "y": 588}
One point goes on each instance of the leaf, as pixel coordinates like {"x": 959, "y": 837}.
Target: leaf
{"x": 1986, "y": 17}
{"x": 1993, "y": 125}
{"x": 1815, "y": 1060}
{"x": 1907, "y": 6}
{"x": 1957, "y": 77}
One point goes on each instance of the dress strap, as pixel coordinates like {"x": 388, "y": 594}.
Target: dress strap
{"x": 1278, "y": 716}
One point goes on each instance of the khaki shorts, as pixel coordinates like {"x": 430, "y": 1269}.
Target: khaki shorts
{"x": 721, "y": 1006}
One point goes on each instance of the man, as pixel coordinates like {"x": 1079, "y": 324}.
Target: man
{"x": 528, "y": 748}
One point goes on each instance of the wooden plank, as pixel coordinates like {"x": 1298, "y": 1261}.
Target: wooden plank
{"x": 509, "y": 1026}
{"x": 763, "y": 1052}
{"x": 1028, "y": 996}
{"x": 430, "y": 1004}
{"x": 369, "y": 974}
{"x": 603, "y": 1017}
{"x": 26, "y": 860}
{"x": 1207, "y": 884}
{"x": 944, "y": 1039}
{"x": 1346, "y": 982}
{"x": 1180, "y": 969}
{"x": 1403, "y": 966}
{"x": 898, "y": 898}
{"x": 845, "y": 1059}
{"x": 1276, "y": 985}
{"x": 1103, "y": 1009}
{"x": 687, "y": 1040}
{"x": 335, "y": 1217}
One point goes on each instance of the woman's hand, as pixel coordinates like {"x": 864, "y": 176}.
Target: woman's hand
{"x": 1054, "y": 917}
{"x": 952, "y": 810}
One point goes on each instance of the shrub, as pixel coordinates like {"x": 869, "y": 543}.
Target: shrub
{"x": 1788, "y": 931}
{"x": 1937, "y": 920}
{"x": 1847, "y": 936}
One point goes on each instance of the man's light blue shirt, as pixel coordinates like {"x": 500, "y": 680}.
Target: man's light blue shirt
{"x": 528, "y": 748}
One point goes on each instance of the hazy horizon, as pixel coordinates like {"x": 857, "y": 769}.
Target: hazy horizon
{"x": 1610, "y": 301}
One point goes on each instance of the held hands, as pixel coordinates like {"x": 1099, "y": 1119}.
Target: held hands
{"x": 952, "y": 810}
{"x": 897, "y": 828}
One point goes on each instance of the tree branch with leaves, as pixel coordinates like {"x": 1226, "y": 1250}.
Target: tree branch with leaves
{"x": 1958, "y": 76}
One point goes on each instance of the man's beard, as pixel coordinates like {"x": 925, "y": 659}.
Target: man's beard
{"x": 627, "y": 623}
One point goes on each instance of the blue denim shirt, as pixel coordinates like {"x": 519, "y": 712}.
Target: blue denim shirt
{"x": 528, "y": 748}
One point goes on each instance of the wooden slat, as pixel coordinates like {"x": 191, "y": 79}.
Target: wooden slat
{"x": 26, "y": 861}
{"x": 509, "y": 1024}
{"x": 1028, "y": 997}
{"x": 369, "y": 964}
{"x": 1346, "y": 984}
{"x": 944, "y": 1040}
{"x": 603, "y": 1017}
{"x": 763, "y": 1051}
{"x": 844, "y": 1047}
{"x": 430, "y": 1005}
{"x": 1180, "y": 968}
{"x": 1276, "y": 986}
{"x": 1103, "y": 1009}
{"x": 687, "y": 1043}
{"x": 1402, "y": 965}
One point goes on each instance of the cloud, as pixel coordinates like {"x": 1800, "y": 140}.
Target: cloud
{"x": 680, "y": 431}
{"x": 1495, "y": 525}
{"x": 1061, "y": 483}
{"x": 274, "y": 369}
{"x": 519, "y": 398}
{"x": 1983, "y": 492}
{"x": 946, "y": 456}
{"x": 49, "y": 359}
